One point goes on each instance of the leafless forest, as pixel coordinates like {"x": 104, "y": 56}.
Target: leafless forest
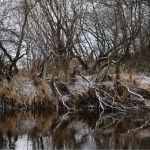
{"x": 75, "y": 54}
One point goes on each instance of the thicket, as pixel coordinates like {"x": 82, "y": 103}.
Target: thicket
{"x": 54, "y": 42}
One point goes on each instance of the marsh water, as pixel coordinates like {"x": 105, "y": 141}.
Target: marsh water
{"x": 29, "y": 130}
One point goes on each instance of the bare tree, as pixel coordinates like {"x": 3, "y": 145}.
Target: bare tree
{"x": 50, "y": 31}
{"x": 12, "y": 42}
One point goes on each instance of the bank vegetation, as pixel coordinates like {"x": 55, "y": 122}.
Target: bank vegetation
{"x": 75, "y": 54}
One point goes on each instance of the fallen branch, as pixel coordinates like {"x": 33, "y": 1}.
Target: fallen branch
{"x": 103, "y": 101}
{"x": 134, "y": 93}
{"x": 62, "y": 98}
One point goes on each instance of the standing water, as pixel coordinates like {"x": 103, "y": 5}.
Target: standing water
{"x": 42, "y": 130}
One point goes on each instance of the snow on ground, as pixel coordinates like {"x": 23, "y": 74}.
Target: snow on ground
{"x": 27, "y": 88}
{"x": 143, "y": 81}
{"x": 79, "y": 84}
{"x": 144, "y": 133}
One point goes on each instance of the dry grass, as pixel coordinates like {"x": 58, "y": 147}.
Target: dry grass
{"x": 35, "y": 79}
{"x": 13, "y": 94}
{"x": 9, "y": 94}
{"x": 23, "y": 91}
{"x": 4, "y": 89}
{"x": 44, "y": 91}
{"x": 128, "y": 78}
{"x": 44, "y": 96}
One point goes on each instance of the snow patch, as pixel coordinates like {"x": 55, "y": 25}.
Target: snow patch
{"x": 27, "y": 88}
{"x": 80, "y": 84}
{"x": 144, "y": 133}
{"x": 144, "y": 81}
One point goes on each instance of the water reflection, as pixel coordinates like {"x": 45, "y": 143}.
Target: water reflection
{"x": 44, "y": 130}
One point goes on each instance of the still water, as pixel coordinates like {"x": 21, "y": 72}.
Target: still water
{"x": 43, "y": 130}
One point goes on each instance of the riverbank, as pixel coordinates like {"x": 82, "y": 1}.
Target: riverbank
{"x": 130, "y": 92}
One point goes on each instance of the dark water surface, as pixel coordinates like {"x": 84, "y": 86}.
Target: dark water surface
{"x": 42, "y": 130}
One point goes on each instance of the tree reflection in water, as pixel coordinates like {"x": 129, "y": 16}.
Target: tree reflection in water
{"x": 84, "y": 130}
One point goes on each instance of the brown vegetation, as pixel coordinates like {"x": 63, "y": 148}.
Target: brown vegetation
{"x": 52, "y": 49}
